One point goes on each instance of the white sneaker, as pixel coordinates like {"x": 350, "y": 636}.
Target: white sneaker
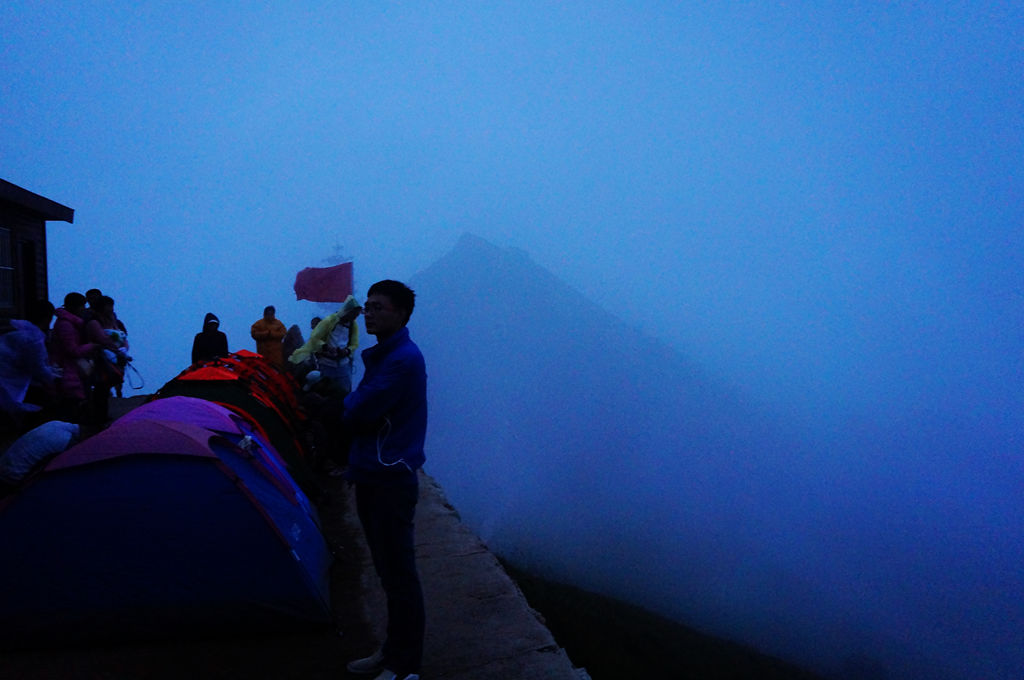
{"x": 369, "y": 665}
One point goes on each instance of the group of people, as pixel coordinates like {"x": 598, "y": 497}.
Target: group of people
{"x": 381, "y": 424}
{"x": 326, "y": 359}
{"x": 65, "y": 372}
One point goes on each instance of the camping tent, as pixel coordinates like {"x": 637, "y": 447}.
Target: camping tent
{"x": 248, "y": 385}
{"x": 158, "y": 528}
{"x": 239, "y": 430}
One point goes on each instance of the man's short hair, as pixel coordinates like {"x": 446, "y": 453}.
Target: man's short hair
{"x": 400, "y": 295}
{"x": 73, "y": 300}
{"x": 269, "y": 308}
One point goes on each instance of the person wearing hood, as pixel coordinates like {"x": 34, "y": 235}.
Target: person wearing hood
{"x": 24, "y": 360}
{"x": 332, "y": 344}
{"x": 73, "y": 355}
{"x": 292, "y": 341}
{"x": 211, "y": 342}
{"x": 340, "y": 345}
{"x": 328, "y": 355}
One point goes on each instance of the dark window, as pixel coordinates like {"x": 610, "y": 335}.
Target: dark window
{"x": 6, "y": 269}
{"x": 27, "y": 276}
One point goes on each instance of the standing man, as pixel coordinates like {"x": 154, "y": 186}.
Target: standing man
{"x": 268, "y": 333}
{"x": 387, "y": 415}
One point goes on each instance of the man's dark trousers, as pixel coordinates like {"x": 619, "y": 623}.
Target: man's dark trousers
{"x": 386, "y": 511}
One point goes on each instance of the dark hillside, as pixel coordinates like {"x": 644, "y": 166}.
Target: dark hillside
{"x": 614, "y": 639}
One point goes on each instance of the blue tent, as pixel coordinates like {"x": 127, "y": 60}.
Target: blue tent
{"x": 154, "y": 529}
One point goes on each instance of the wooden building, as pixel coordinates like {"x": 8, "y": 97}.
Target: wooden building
{"x": 23, "y": 275}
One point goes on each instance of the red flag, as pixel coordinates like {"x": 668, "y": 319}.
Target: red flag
{"x": 324, "y": 284}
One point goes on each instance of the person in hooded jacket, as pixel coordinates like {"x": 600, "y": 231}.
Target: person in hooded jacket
{"x": 73, "y": 355}
{"x": 340, "y": 344}
{"x": 24, "y": 362}
{"x": 332, "y": 345}
{"x": 211, "y": 342}
{"x": 292, "y": 341}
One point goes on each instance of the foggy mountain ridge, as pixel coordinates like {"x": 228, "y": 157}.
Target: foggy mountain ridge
{"x": 578, "y": 446}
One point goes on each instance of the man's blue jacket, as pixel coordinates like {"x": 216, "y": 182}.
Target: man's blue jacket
{"x": 387, "y": 413}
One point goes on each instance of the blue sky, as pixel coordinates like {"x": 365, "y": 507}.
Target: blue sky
{"x": 820, "y": 203}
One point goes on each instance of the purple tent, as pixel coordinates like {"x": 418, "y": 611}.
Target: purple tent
{"x": 187, "y": 410}
{"x": 224, "y": 421}
{"x": 157, "y": 528}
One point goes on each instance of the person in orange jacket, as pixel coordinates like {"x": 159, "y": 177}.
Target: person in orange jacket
{"x": 268, "y": 333}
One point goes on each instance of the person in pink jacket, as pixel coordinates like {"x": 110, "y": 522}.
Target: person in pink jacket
{"x": 70, "y": 352}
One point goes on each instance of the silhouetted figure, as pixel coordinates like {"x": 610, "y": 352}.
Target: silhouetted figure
{"x": 387, "y": 414}
{"x": 268, "y": 333}
{"x": 325, "y": 363}
{"x": 210, "y": 342}
{"x": 340, "y": 341}
{"x": 122, "y": 359}
{"x": 73, "y": 355}
{"x": 24, "y": 362}
{"x": 331, "y": 346}
{"x": 292, "y": 341}
{"x": 302, "y": 358}
{"x": 105, "y": 331}
{"x": 92, "y": 300}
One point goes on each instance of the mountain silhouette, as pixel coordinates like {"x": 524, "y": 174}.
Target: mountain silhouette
{"x": 585, "y": 450}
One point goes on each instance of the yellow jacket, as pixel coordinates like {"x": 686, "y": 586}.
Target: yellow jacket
{"x": 323, "y": 330}
{"x": 268, "y": 337}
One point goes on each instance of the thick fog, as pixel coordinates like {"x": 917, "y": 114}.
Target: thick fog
{"x": 601, "y": 456}
{"x": 787, "y": 387}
